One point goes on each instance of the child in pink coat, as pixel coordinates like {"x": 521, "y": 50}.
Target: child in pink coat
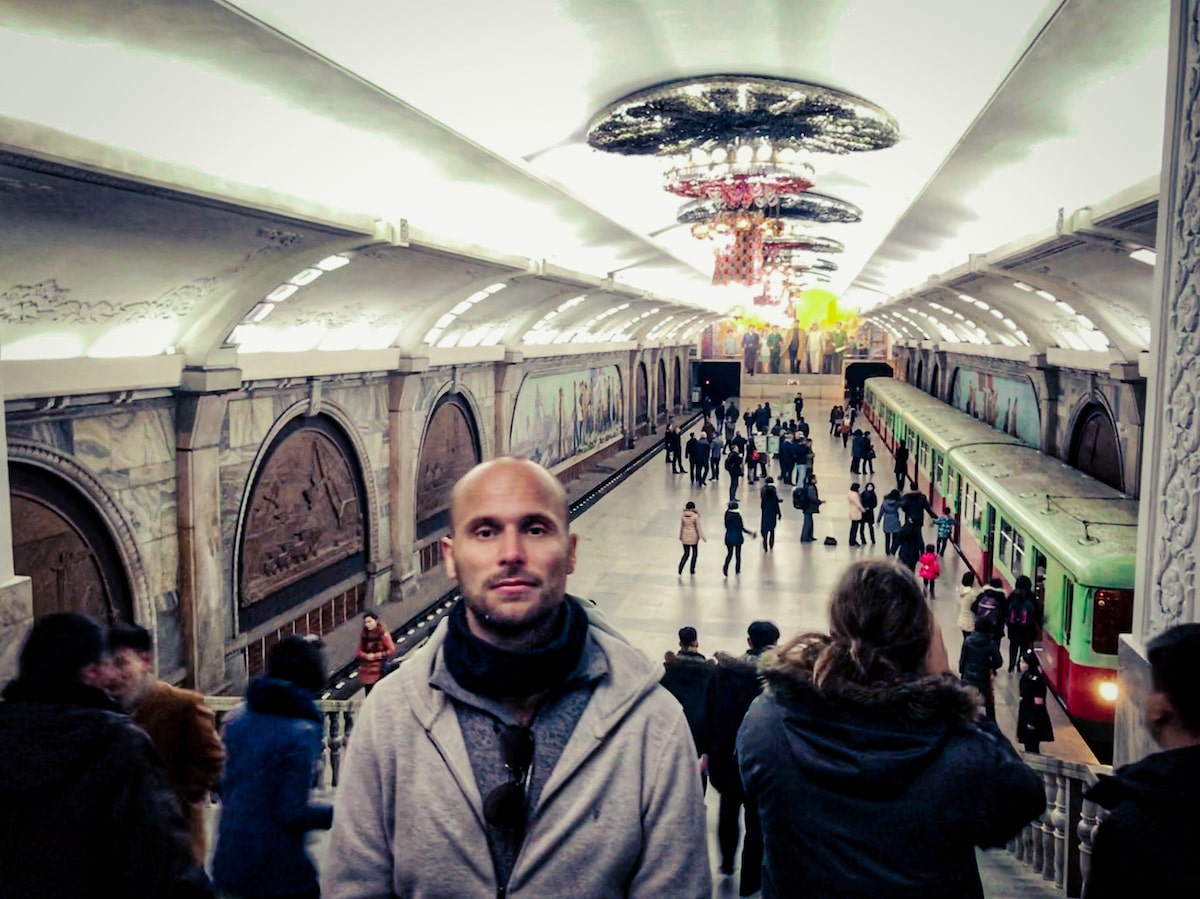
{"x": 928, "y": 568}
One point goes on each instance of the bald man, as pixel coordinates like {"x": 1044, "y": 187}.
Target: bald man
{"x": 526, "y": 749}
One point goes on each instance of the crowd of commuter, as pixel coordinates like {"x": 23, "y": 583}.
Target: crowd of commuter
{"x": 527, "y": 749}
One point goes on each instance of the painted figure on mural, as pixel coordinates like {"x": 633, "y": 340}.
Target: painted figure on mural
{"x": 728, "y": 341}
{"x": 814, "y": 349}
{"x": 775, "y": 345}
{"x": 750, "y": 344}
{"x": 793, "y": 348}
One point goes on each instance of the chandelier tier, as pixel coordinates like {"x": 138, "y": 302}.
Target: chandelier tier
{"x": 805, "y": 207}
{"x": 707, "y": 112}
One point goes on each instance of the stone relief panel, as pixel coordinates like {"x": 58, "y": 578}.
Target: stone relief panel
{"x": 449, "y": 450}
{"x": 1175, "y": 514}
{"x": 304, "y": 514}
{"x": 60, "y": 544}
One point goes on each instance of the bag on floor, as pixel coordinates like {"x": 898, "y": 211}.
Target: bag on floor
{"x": 831, "y": 541}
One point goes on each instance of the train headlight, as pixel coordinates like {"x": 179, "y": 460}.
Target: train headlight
{"x": 1108, "y": 690}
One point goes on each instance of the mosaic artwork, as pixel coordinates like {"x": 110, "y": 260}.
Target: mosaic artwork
{"x": 561, "y": 415}
{"x": 1007, "y": 404}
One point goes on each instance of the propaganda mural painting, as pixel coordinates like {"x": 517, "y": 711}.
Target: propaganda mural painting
{"x": 561, "y": 415}
{"x": 1007, "y": 404}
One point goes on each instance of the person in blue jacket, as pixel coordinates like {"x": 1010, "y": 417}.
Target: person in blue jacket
{"x": 273, "y": 745}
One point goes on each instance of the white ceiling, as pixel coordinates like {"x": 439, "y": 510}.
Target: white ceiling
{"x": 466, "y": 118}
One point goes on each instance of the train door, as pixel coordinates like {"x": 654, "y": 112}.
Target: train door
{"x": 1037, "y": 573}
{"x": 989, "y": 542}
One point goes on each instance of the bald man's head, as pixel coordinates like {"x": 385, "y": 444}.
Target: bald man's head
{"x": 504, "y": 467}
{"x": 510, "y": 550}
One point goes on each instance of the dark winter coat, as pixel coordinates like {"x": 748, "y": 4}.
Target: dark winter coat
{"x": 734, "y": 528}
{"x": 882, "y": 791}
{"x": 771, "y": 512}
{"x": 1144, "y": 848}
{"x": 900, "y": 460}
{"x": 272, "y": 745}
{"x": 734, "y": 685}
{"x": 85, "y": 806}
{"x": 980, "y": 657}
{"x": 687, "y": 676}
{"x": 1033, "y": 719}
{"x": 1018, "y": 602}
{"x": 914, "y": 505}
{"x": 870, "y": 499}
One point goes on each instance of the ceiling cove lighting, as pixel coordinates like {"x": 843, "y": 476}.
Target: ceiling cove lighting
{"x": 1147, "y": 257}
{"x": 432, "y": 335}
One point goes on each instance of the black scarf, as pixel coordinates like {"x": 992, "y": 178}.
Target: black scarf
{"x": 497, "y": 673}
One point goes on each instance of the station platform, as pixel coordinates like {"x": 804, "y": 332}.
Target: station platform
{"x": 627, "y": 558}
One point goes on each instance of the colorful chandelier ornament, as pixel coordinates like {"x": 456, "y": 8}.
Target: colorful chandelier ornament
{"x": 710, "y": 111}
{"x": 736, "y": 143}
{"x": 804, "y": 207}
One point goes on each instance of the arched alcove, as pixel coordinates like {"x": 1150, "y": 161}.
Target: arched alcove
{"x": 933, "y": 380}
{"x": 642, "y": 400}
{"x": 660, "y": 396}
{"x": 449, "y": 448}
{"x": 677, "y": 393}
{"x": 920, "y": 382}
{"x": 303, "y": 536}
{"x": 60, "y": 541}
{"x": 1095, "y": 449}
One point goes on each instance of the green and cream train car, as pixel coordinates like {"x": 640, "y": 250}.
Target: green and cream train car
{"x": 1019, "y": 511}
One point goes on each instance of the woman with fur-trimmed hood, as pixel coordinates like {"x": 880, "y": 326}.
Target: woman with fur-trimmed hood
{"x": 872, "y": 767}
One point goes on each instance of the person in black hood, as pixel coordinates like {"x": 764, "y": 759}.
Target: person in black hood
{"x": 735, "y": 684}
{"x": 687, "y": 675}
{"x": 86, "y": 806}
{"x": 872, "y": 768}
{"x": 1144, "y": 847}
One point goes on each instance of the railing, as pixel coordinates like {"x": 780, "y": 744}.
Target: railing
{"x": 339, "y": 720}
{"x": 1058, "y": 845}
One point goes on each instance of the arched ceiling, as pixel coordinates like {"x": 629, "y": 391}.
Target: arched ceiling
{"x": 169, "y": 165}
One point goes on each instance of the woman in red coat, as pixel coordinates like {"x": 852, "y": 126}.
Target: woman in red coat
{"x": 375, "y": 646}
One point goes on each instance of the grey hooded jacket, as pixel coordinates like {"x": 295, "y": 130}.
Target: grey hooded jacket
{"x": 621, "y": 814}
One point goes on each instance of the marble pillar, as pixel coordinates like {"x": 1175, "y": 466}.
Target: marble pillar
{"x": 202, "y": 565}
{"x": 404, "y": 453}
{"x": 1167, "y": 526}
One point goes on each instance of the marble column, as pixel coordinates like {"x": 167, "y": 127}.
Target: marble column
{"x": 1167, "y": 526}
{"x": 16, "y": 592}
{"x": 404, "y": 435}
{"x": 203, "y": 568}
{"x": 509, "y": 374}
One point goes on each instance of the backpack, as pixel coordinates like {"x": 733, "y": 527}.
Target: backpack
{"x": 800, "y": 498}
{"x": 987, "y": 613}
{"x": 1018, "y": 612}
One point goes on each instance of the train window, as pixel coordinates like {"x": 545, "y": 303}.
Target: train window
{"x": 923, "y": 456}
{"x": 1113, "y": 617}
{"x": 1012, "y": 547}
{"x": 972, "y": 507}
{"x": 938, "y": 460}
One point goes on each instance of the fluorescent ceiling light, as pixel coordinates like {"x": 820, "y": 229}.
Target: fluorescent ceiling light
{"x": 306, "y": 277}
{"x": 495, "y": 288}
{"x": 1149, "y": 257}
{"x": 258, "y": 313}
{"x": 333, "y": 263}
{"x": 1047, "y": 295}
{"x": 1021, "y": 285}
{"x": 281, "y": 293}
{"x": 967, "y": 298}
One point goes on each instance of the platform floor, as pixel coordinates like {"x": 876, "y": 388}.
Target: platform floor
{"x": 629, "y": 551}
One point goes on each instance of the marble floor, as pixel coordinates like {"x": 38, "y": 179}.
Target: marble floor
{"x": 629, "y": 551}
{"x": 628, "y": 554}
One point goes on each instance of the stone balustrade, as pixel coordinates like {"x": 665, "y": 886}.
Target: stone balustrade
{"x": 1058, "y": 844}
{"x": 339, "y": 720}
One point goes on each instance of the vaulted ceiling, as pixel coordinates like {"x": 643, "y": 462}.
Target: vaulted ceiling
{"x": 169, "y": 169}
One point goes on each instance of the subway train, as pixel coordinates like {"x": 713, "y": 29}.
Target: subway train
{"x": 1019, "y": 511}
